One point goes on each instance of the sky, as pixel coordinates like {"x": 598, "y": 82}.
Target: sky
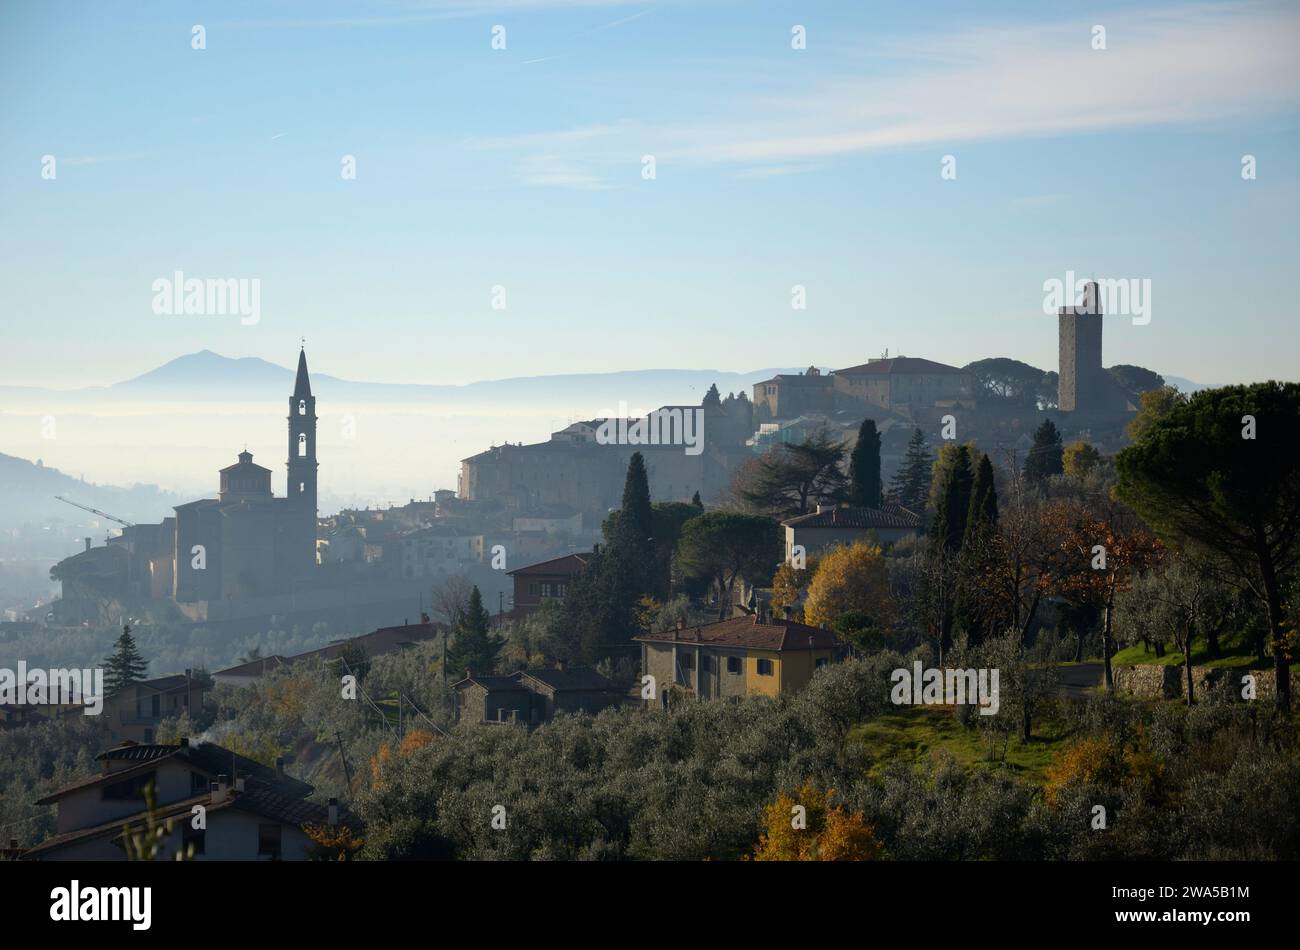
{"x": 524, "y": 169}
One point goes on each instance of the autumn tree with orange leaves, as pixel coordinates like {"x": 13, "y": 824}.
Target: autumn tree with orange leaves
{"x": 808, "y": 827}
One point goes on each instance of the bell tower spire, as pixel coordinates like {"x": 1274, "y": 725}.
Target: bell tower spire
{"x": 302, "y": 461}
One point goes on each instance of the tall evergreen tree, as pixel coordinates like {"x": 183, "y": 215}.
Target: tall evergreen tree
{"x": 981, "y": 523}
{"x": 956, "y": 481}
{"x": 474, "y": 647}
{"x": 1046, "y": 455}
{"x": 632, "y": 542}
{"x": 635, "y": 519}
{"x": 695, "y": 500}
{"x": 983, "y": 499}
{"x": 864, "y": 467}
{"x": 712, "y": 397}
{"x": 911, "y": 483}
{"x": 125, "y": 666}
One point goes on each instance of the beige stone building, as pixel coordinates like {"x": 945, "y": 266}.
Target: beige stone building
{"x": 754, "y": 655}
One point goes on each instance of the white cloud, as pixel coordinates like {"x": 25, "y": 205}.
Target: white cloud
{"x": 1192, "y": 64}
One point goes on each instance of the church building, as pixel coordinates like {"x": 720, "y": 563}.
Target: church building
{"x": 245, "y": 542}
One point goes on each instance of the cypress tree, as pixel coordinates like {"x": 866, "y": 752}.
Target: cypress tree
{"x": 955, "y": 485}
{"x": 695, "y": 500}
{"x": 983, "y": 499}
{"x": 1046, "y": 455}
{"x": 864, "y": 467}
{"x": 635, "y": 518}
{"x": 125, "y": 666}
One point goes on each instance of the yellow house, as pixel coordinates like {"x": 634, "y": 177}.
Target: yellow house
{"x": 746, "y": 656}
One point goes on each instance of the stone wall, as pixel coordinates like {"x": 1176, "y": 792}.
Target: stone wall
{"x": 1148, "y": 681}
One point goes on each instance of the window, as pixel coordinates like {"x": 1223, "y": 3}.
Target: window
{"x": 706, "y": 663}
{"x": 268, "y": 841}
{"x": 128, "y": 790}
{"x": 733, "y": 664}
{"x": 302, "y": 407}
{"x": 302, "y": 487}
{"x": 532, "y": 588}
{"x": 198, "y": 783}
{"x": 764, "y": 667}
{"x": 687, "y": 661}
{"x": 302, "y": 445}
{"x": 822, "y": 661}
{"x": 155, "y": 705}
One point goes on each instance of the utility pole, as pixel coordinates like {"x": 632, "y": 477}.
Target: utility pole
{"x": 347, "y": 772}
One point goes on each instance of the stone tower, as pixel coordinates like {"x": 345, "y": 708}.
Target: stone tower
{"x": 302, "y": 465}
{"x": 1082, "y": 386}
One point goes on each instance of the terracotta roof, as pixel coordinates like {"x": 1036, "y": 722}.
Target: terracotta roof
{"x": 900, "y": 364}
{"x": 165, "y": 684}
{"x": 245, "y": 464}
{"x": 494, "y": 684}
{"x": 569, "y": 564}
{"x": 798, "y": 379}
{"x": 575, "y": 678}
{"x": 750, "y": 633}
{"x": 379, "y": 642}
{"x": 257, "y": 798}
{"x": 207, "y": 757}
{"x": 256, "y": 667}
{"x": 887, "y": 516}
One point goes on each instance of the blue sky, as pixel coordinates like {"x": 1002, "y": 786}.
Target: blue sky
{"x": 522, "y": 168}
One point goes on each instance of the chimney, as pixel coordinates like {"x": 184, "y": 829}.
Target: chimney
{"x": 681, "y": 623}
{"x": 469, "y": 674}
{"x": 87, "y": 540}
{"x": 214, "y": 793}
{"x": 333, "y": 812}
{"x": 223, "y": 784}
{"x": 240, "y": 778}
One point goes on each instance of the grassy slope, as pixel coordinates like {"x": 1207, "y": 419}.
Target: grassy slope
{"x": 916, "y": 732}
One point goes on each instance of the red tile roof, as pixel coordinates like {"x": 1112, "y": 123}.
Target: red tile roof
{"x": 887, "y": 516}
{"x": 749, "y": 632}
{"x": 567, "y": 564}
{"x": 900, "y": 364}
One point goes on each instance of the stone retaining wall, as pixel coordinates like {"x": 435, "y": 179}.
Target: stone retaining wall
{"x": 1148, "y": 681}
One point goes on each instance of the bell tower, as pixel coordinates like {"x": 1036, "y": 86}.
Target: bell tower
{"x": 302, "y": 461}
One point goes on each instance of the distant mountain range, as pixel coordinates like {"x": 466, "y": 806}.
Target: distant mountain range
{"x": 27, "y": 491}
{"x": 210, "y": 377}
